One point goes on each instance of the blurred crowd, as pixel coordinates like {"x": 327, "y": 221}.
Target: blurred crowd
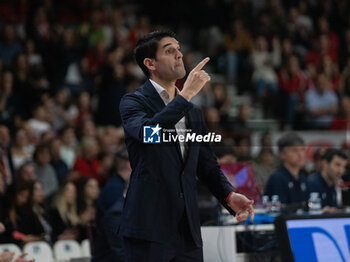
{"x": 64, "y": 66}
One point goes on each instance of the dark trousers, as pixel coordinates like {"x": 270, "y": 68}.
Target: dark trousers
{"x": 179, "y": 247}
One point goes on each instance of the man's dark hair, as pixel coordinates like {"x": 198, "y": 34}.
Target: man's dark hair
{"x": 147, "y": 47}
{"x": 289, "y": 139}
{"x": 332, "y": 152}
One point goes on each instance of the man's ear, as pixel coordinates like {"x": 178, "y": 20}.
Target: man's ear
{"x": 149, "y": 63}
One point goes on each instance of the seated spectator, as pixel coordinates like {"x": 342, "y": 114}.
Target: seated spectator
{"x": 323, "y": 48}
{"x": 60, "y": 167}
{"x": 64, "y": 215}
{"x": 88, "y": 165}
{"x": 333, "y": 38}
{"x": 40, "y": 209}
{"x": 239, "y": 127}
{"x": 264, "y": 166}
{"x": 243, "y": 148}
{"x": 92, "y": 62}
{"x": 34, "y": 59}
{"x": 224, "y": 152}
{"x": 39, "y": 122}
{"x": 321, "y": 104}
{"x": 266, "y": 140}
{"x": 109, "y": 140}
{"x": 88, "y": 192}
{"x": 21, "y": 223}
{"x": 342, "y": 121}
{"x": 304, "y": 30}
{"x": 45, "y": 173}
{"x": 238, "y": 45}
{"x": 87, "y": 129}
{"x": 333, "y": 168}
{"x": 21, "y": 150}
{"x": 293, "y": 83}
{"x": 212, "y": 119}
{"x": 68, "y": 147}
{"x": 46, "y": 137}
{"x": 264, "y": 76}
{"x": 289, "y": 181}
{"x": 84, "y": 108}
{"x": 222, "y": 103}
{"x": 26, "y": 172}
{"x": 331, "y": 71}
{"x": 63, "y": 111}
{"x": 9, "y": 45}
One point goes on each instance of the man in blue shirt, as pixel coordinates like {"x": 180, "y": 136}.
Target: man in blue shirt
{"x": 108, "y": 245}
{"x": 333, "y": 167}
{"x": 321, "y": 104}
{"x": 289, "y": 182}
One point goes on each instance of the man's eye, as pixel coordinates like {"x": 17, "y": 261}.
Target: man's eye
{"x": 169, "y": 51}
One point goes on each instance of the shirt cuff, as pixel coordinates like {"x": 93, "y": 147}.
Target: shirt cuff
{"x": 229, "y": 195}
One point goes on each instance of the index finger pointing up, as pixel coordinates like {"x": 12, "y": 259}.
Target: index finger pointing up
{"x": 201, "y": 64}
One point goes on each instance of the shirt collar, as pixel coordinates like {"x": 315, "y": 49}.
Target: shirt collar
{"x": 164, "y": 95}
{"x": 301, "y": 174}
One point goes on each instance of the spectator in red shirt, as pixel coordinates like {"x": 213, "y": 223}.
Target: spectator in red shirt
{"x": 323, "y": 48}
{"x": 331, "y": 70}
{"x": 293, "y": 83}
{"x": 342, "y": 121}
{"x": 84, "y": 108}
{"x": 333, "y": 38}
{"x": 88, "y": 165}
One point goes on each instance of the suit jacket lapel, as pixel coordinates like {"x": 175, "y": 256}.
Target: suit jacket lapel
{"x": 154, "y": 98}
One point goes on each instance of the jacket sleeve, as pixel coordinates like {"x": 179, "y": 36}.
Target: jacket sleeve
{"x": 209, "y": 172}
{"x": 134, "y": 115}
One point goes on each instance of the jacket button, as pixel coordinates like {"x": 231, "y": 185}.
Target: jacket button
{"x": 181, "y": 195}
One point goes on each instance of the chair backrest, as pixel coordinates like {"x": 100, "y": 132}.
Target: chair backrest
{"x": 40, "y": 251}
{"x": 85, "y": 248}
{"x": 10, "y": 248}
{"x": 66, "y": 249}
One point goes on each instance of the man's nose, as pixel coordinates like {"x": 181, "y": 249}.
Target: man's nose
{"x": 179, "y": 55}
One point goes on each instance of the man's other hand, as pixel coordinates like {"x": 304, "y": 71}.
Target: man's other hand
{"x": 242, "y": 206}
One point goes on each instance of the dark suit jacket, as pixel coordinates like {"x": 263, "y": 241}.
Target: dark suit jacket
{"x": 162, "y": 184}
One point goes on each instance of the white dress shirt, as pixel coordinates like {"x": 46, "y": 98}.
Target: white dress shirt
{"x": 179, "y": 126}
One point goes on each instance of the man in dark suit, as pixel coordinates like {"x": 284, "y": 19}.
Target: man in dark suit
{"x": 160, "y": 220}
